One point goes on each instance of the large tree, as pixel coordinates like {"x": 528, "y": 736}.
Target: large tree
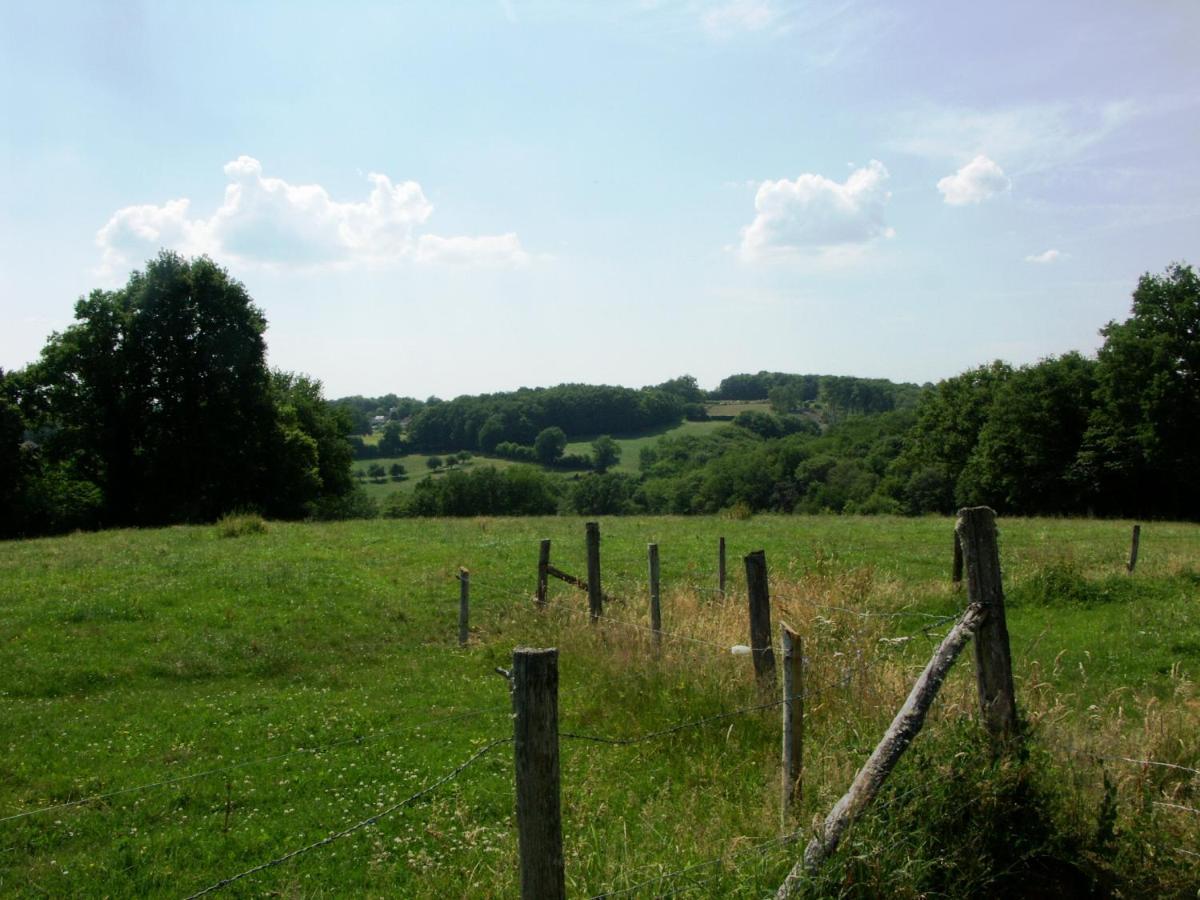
{"x": 161, "y": 396}
{"x": 1140, "y": 453}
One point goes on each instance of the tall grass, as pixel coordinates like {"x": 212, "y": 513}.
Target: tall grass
{"x": 321, "y": 661}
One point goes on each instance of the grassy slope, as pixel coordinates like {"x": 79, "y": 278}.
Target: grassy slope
{"x": 137, "y": 656}
{"x": 415, "y": 463}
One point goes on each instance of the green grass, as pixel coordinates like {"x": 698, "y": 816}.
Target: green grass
{"x": 416, "y": 468}
{"x": 733, "y": 407}
{"x": 632, "y": 446}
{"x": 133, "y": 657}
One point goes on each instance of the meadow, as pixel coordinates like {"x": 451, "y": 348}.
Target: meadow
{"x": 219, "y": 696}
{"x": 416, "y": 464}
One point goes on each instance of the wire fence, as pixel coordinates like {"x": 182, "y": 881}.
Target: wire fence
{"x": 357, "y": 826}
{"x": 494, "y": 589}
{"x": 261, "y": 760}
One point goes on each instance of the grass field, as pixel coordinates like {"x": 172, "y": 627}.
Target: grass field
{"x": 416, "y": 467}
{"x": 631, "y": 447}
{"x": 733, "y": 407}
{"x": 280, "y": 685}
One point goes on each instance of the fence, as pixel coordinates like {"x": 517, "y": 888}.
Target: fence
{"x": 536, "y": 732}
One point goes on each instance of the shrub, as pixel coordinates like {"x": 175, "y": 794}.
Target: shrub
{"x": 240, "y": 524}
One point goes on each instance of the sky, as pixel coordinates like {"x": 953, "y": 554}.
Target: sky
{"x": 457, "y": 197}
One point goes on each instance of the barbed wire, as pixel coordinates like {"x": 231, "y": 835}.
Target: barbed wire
{"x": 357, "y": 826}
{"x": 1149, "y": 762}
{"x": 1178, "y": 806}
{"x": 262, "y": 760}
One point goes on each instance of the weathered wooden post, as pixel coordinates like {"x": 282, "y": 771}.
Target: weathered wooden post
{"x": 956, "y": 571}
{"x": 976, "y": 530}
{"x": 595, "y": 597}
{"x": 535, "y": 752}
{"x": 760, "y": 615}
{"x": 464, "y": 606}
{"x": 1133, "y": 548}
{"x": 543, "y": 574}
{"x": 655, "y": 607}
{"x": 793, "y": 722}
{"x": 721, "y": 567}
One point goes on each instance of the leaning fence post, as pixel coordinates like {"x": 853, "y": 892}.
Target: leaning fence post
{"x": 721, "y": 567}
{"x": 535, "y": 752}
{"x": 976, "y": 530}
{"x": 655, "y": 604}
{"x": 543, "y": 574}
{"x": 793, "y": 722}
{"x": 1133, "y": 548}
{"x": 464, "y": 606}
{"x": 760, "y": 615}
{"x": 956, "y": 571}
{"x": 595, "y": 598}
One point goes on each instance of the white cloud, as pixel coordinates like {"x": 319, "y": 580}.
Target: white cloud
{"x": 1044, "y": 258}
{"x": 737, "y": 16}
{"x": 269, "y": 221}
{"x": 1032, "y": 138}
{"x": 815, "y": 214}
{"x": 975, "y": 182}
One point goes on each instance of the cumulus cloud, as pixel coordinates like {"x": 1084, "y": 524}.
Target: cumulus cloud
{"x": 816, "y": 214}
{"x": 978, "y": 180}
{"x": 269, "y": 221}
{"x": 1044, "y": 258}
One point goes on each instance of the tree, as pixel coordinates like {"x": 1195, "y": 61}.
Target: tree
{"x": 1139, "y": 454}
{"x": 1032, "y": 435}
{"x": 434, "y": 462}
{"x": 550, "y": 444}
{"x": 160, "y": 396}
{"x": 397, "y": 471}
{"x": 605, "y": 453}
{"x": 391, "y": 443}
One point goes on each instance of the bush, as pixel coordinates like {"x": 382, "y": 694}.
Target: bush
{"x": 356, "y": 504}
{"x": 240, "y": 524}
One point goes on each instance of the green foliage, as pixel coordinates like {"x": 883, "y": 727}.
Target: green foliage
{"x": 484, "y": 491}
{"x": 354, "y": 504}
{"x": 605, "y": 453}
{"x": 548, "y": 446}
{"x": 391, "y": 443}
{"x": 156, "y": 406}
{"x": 1140, "y": 453}
{"x": 434, "y": 462}
{"x": 487, "y": 420}
{"x": 240, "y": 524}
{"x": 609, "y": 494}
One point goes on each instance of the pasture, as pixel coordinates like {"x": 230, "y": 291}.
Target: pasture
{"x": 218, "y": 702}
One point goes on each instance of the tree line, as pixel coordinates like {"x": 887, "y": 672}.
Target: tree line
{"x": 157, "y": 406}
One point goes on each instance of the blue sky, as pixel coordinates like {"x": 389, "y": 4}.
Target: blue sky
{"x": 452, "y": 198}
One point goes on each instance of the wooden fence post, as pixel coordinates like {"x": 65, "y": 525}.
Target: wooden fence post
{"x": 870, "y": 778}
{"x": 595, "y": 597}
{"x": 535, "y": 752}
{"x": 655, "y": 605}
{"x": 956, "y": 571}
{"x": 976, "y": 530}
{"x": 1133, "y": 548}
{"x": 464, "y": 606}
{"x": 721, "y": 567}
{"x": 543, "y": 575}
{"x": 760, "y": 615}
{"x": 793, "y": 722}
